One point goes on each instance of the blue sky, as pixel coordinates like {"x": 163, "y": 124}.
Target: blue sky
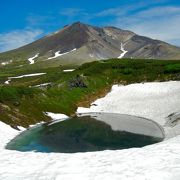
{"x": 23, "y": 21}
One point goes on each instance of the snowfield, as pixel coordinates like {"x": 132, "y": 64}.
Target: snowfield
{"x": 155, "y": 162}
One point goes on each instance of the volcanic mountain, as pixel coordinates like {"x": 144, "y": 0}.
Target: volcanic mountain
{"x": 79, "y": 43}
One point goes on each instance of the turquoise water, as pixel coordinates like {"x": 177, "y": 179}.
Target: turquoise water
{"x": 87, "y": 133}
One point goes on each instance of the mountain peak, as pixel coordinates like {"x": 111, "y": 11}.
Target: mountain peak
{"x": 79, "y": 42}
{"x": 78, "y": 23}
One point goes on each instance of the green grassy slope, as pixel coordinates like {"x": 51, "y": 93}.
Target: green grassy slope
{"x": 24, "y": 105}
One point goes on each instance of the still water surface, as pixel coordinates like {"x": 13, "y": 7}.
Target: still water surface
{"x": 89, "y": 132}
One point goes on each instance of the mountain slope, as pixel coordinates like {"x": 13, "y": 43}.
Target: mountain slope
{"x": 79, "y": 43}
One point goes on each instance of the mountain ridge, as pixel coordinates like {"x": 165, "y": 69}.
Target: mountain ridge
{"x": 79, "y": 43}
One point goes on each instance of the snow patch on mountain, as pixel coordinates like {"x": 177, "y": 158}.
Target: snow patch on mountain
{"x": 42, "y": 85}
{"x": 7, "y": 82}
{"x": 22, "y": 76}
{"x": 110, "y": 34}
{"x": 123, "y": 52}
{"x": 68, "y": 70}
{"x": 32, "y": 59}
{"x": 91, "y": 55}
{"x": 58, "y": 54}
{"x": 6, "y": 63}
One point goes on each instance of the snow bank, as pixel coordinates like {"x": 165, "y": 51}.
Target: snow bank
{"x": 31, "y": 60}
{"x": 58, "y": 54}
{"x": 123, "y": 51}
{"x": 156, "y": 162}
{"x": 154, "y": 101}
{"x": 6, "y": 134}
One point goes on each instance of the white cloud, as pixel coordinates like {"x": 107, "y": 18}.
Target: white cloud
{"x": 18, "y": 38}
{"x": 160, "y": 11}
{"x": 159, "y": 23}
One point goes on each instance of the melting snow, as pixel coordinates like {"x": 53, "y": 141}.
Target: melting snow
{"x": 123, "y": 51}
{"x": 31, "y": 60}
{"x": 58, "y": 54}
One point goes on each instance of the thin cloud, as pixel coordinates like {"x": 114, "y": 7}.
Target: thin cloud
{"x": 128, "y": 9}
{"x": 18, "y": 38}
{"x": 160, "y": 11}
{"x": 71, "y": 12}
{"x": 159, "y": 23}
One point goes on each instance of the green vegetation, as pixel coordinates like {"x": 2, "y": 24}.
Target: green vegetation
{"x": 24, "y": 105}
{"x": 12, "y": 94}
{"x": 172, "y": 68}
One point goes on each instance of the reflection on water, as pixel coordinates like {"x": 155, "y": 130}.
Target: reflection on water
{"x": 92, "y": 132}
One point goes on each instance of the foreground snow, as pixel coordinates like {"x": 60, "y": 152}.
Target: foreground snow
{"x": 155, "y": 162}
{"x": 154, "y": 100}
